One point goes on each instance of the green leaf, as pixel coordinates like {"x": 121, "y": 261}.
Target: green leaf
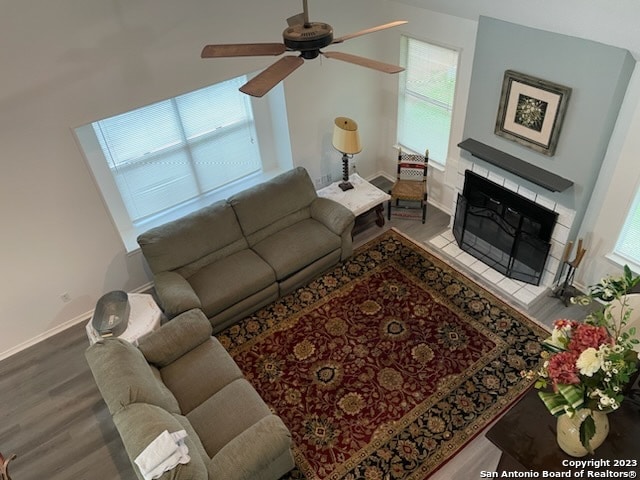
{"x": 573, "y": 394}
{"x": 587, "y": 431}
{"x": 551, "y": 347}
{"x": 540, "y": 383}
{"x": 554, "y": 402}
{"x": 627, "y": 274}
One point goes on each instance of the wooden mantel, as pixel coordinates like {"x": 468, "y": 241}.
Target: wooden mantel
{"x": 519, "y": 167}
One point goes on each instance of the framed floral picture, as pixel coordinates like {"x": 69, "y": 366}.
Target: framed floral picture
{"x": 531, "y": 111}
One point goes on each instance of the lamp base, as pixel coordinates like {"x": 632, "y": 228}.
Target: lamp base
{"x": 345, "y": 185}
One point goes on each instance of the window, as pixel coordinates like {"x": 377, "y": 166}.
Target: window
{"x": 427, "y": 88}
{"x": 628, "y": 245}
{"x": 171, "y": 152}
{"x": 164, "y": 160}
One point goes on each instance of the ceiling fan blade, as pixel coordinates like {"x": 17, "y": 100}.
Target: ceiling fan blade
{"x": 369, "y": 30}
{"x": 271, "y": 76}
{"x": 364, "y": 62}
{"x": 242, "y": 50}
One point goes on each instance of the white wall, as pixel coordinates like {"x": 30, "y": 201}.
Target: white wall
{"x": 611, "y": 23}
{"x": 67, "y": 63}
{"x": 618, "y": 181}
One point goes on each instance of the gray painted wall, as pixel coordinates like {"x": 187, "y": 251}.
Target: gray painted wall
{"x": 598, "y": 75}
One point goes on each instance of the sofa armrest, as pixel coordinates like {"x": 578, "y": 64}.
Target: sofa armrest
{"x": 175, "y": 294}
{"x": 263, "y": 451}
{"x": 176, "y": 338}
{"x": 139, "y": 424}
{"x": 335, "y": 216}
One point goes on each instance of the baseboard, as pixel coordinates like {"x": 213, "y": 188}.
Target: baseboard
{"x": 84, "y": 317}
{"x": 380, "y": 173}
{"x": 45, "y": 335}
{"x": 440, "y": 206}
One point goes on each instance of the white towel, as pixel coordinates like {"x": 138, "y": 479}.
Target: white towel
{"x": 163, "y": 454}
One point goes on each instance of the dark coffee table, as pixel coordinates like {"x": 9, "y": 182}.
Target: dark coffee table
{"x": 526, "y": 435}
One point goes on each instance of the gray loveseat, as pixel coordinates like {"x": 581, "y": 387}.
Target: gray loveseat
{"x": 239, "y": 254}
{"x": 181, "y": 378}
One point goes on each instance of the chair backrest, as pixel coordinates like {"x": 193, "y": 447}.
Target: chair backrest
{"x": 412, "y": 166}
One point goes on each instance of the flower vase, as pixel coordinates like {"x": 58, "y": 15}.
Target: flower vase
{"x": 568, "y": 431}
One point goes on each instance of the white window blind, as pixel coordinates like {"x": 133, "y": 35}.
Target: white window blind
{"x": 427, "y": 88}
{"x": 173, "y": 151}
{"x": 628, "y": 245}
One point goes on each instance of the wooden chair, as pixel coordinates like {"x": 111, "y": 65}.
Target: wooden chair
{"x": 410, "y": 188}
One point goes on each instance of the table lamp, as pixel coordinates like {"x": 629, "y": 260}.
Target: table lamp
{"x": 347, "y": 141}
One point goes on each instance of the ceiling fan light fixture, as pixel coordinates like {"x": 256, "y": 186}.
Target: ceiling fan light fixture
{"x": 308, "y": 39}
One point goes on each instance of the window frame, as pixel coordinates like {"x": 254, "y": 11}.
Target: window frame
{"x": 621, "y": 258}
{"x": 272, "y": 131}
{"x": 402, "y": 93}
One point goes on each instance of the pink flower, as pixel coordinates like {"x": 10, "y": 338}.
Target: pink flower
{"x": 588, "y": 336}
{"x": 562, "y": 369}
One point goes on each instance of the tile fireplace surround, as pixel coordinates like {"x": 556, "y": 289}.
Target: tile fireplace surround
{"x": 524, "y": 293}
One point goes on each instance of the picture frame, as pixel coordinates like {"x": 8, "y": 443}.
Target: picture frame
{"x": 531, "y": 111}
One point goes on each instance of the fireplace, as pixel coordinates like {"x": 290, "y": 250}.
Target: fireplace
{"x": 507, "y": 231}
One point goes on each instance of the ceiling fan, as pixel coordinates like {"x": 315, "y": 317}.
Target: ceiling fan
{"x": 300, "y": 36}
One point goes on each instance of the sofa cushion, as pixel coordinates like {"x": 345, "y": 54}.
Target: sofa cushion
{"x": 213, "y": 423}
{"x": 304, "y": 276}
{"x": 199, "y": 374}
{"x": 265, "y": 204}
{"x": 124, "y": 376}
{"x": 261, "y": 452}
{"x": 175, "y": 338}
{"x": 231, "y": 279}
{"x": 139, "y": 424}
{"x": 193, "y": 240}
{"x": 297, "y": 246}
{"x": 244, "y": 308}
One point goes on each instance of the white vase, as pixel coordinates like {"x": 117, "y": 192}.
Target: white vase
{"x": 568, "y": 431}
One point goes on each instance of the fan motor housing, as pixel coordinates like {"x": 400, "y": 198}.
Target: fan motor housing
{"x": 308, "y": 38}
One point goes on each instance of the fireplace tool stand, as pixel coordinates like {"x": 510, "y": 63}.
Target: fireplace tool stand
{"x": 4, "y": 466}
{"x": 566, "y": 290}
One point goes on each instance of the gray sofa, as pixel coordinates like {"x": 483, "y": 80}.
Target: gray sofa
{"x": 239, "y": 254}
{"x": 181, "y": 378}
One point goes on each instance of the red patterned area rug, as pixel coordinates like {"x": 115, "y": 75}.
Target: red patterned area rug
{"x": 387, "y": 365}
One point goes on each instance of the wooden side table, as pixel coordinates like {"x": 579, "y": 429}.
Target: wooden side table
{"x": 365, "y": 200}
{"x": 526, "y": 435}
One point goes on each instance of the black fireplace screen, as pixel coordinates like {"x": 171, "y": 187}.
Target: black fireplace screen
{"x": 508, "y": 232}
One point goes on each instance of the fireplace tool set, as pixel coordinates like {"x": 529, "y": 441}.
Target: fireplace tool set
{"x": 4, "y": 466}
{"x": 566, "y": 290}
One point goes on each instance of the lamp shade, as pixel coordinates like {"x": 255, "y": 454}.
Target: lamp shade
{"x": 345, "y": 136}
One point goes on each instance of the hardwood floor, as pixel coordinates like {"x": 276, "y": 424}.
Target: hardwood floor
{"x": 53, "y": 417}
